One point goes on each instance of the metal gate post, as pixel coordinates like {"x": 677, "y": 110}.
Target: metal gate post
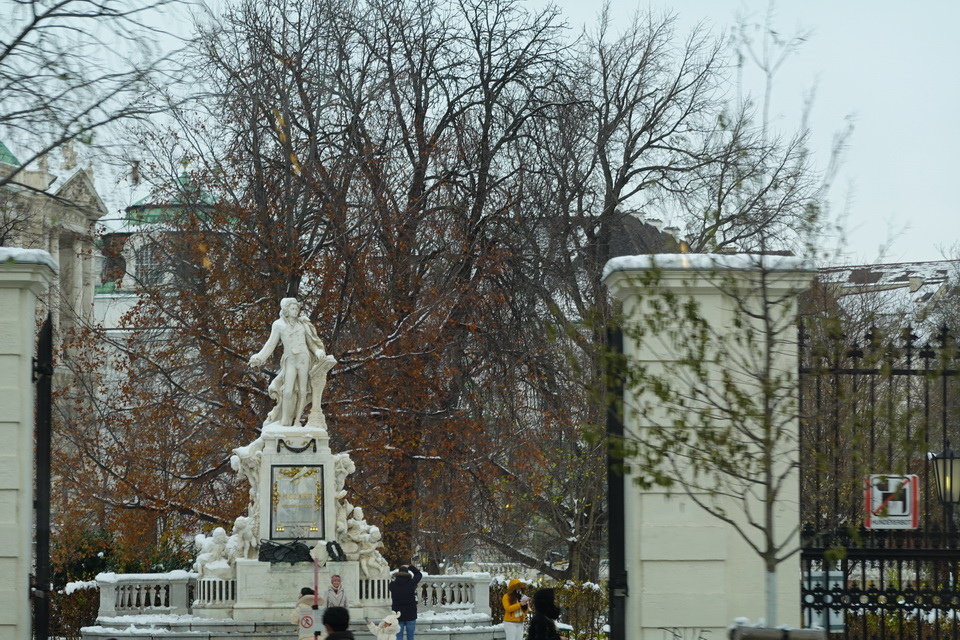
{"x": 42, "y": 374}
{"x": 615, "y": 495}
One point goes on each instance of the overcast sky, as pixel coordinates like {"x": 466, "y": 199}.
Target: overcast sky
{"x": 893, "y": 66}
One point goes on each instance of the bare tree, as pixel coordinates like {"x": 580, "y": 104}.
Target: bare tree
{"x": 628, "y": 123}
{"x": 442, "y": 183}
{"x": 13, "y": 220}
{"x": 357, "y": 159}
{"x": 71, "y": 67}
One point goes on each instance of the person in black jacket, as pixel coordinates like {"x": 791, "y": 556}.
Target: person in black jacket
{"x": 543, "y": 624}
{"x": 337, "y": 620}
{"x": 403, "y": 593}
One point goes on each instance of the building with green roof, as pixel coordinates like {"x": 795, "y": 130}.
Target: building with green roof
{"x": 160, "y": 206}
{"x": 7, "y": 157}
{"x": 132, "y": 256}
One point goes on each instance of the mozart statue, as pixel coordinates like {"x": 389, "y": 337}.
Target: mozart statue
{"x": 303, "y": 367}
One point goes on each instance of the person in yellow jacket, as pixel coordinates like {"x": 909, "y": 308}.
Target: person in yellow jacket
{"x": 514, "y": 610}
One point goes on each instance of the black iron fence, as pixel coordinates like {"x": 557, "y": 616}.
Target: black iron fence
{"x": 880, "y": 553}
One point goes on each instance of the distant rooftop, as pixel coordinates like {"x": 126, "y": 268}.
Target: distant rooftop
{"x": 159, "y": 206}
{"x": 907, "y": 284}
{"x": 7, "y": 157}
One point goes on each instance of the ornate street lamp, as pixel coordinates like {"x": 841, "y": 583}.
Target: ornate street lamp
{"x": 946, "y": 472}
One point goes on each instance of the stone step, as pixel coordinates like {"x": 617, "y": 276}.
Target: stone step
{"x": 194, "y": 628}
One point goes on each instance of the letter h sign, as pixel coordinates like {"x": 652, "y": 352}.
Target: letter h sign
{"x": 891, "y": 501}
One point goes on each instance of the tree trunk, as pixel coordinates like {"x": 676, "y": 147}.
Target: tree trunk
{"x": 771, "y": 596}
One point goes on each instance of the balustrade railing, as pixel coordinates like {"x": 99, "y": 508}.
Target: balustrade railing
{"x": 374, "y": 592}
{"x": 215, "y": 593}
{"x": 443, "y": 593}
{"x": 178, "y": 592}
{"x": 136, "y": 593}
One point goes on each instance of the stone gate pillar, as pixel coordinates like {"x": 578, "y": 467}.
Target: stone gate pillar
{"x": 689, "y": 573}
{"x": 24, "y": 274}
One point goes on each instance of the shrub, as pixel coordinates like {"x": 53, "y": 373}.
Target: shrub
{"x": 585, "y": 606}
{"x": 72, "y": 609}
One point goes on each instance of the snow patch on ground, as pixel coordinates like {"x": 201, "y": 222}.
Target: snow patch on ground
{"x": 134, "y": 630}
{"x": 138, "y": 624}
{"x": 762, "y": 623}
{"x": 162, "y": 618}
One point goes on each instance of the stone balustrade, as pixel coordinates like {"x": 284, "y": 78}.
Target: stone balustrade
{"x": 442, "y": 593}
{"x": 375, "y": 591}
{"x": 178, "y": 592}
{"x": 138, "y": 593}
{"x": 215, "y": 593}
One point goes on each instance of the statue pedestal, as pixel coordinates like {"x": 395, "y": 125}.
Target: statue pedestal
{"x": 295, "y": 501}
{"x": 298, "y": 514}
{"x": 269, "y": 592}
{"x": 296, "y": 486}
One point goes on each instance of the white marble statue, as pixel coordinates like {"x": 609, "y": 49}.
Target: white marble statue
{"x": 212, "y": 561}
{"x": 303, "y": 367}
{"x": 361, "y": 542}
{"x": 350, "y": 542}
{"x": 344, "y": 509}
{"x": 218, "y": 552}
{"x": 242, "y": 542}
{"x": 372, "y": 564}
{"x": 246, "y": 462}
{"x": 343, "y": 466}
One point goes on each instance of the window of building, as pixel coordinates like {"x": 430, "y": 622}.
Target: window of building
{"x": 149, "y": 271}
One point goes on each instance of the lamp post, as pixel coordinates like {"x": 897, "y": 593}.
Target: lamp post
{"x": 946, "y": 473}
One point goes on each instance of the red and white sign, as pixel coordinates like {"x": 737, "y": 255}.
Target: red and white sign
{"x": 311, "y": 622}
{"x": 892, "y": 502}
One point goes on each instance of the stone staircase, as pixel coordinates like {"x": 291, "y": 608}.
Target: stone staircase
{"x": 176, "y": 627}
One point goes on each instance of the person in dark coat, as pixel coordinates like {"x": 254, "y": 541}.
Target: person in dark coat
{"x": 336, "y": 620}
{"x": 403, "y": 593}
{"x": 543, "y": 624}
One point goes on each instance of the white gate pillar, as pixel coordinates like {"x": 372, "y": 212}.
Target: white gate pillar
{"x": 690, "y": 574}
{"x": 24, "y": 274}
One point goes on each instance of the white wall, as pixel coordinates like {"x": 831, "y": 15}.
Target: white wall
{"x": 24, "y": 274}
{"x": 688, "y": 571}
{"x": 109, "y": 308}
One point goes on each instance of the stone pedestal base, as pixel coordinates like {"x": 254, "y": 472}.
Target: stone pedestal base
{"x": 284, "y": 450}
{"x": 269, "y": 591}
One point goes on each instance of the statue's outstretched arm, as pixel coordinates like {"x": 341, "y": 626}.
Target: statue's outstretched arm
{"x": 258, "y": 359}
